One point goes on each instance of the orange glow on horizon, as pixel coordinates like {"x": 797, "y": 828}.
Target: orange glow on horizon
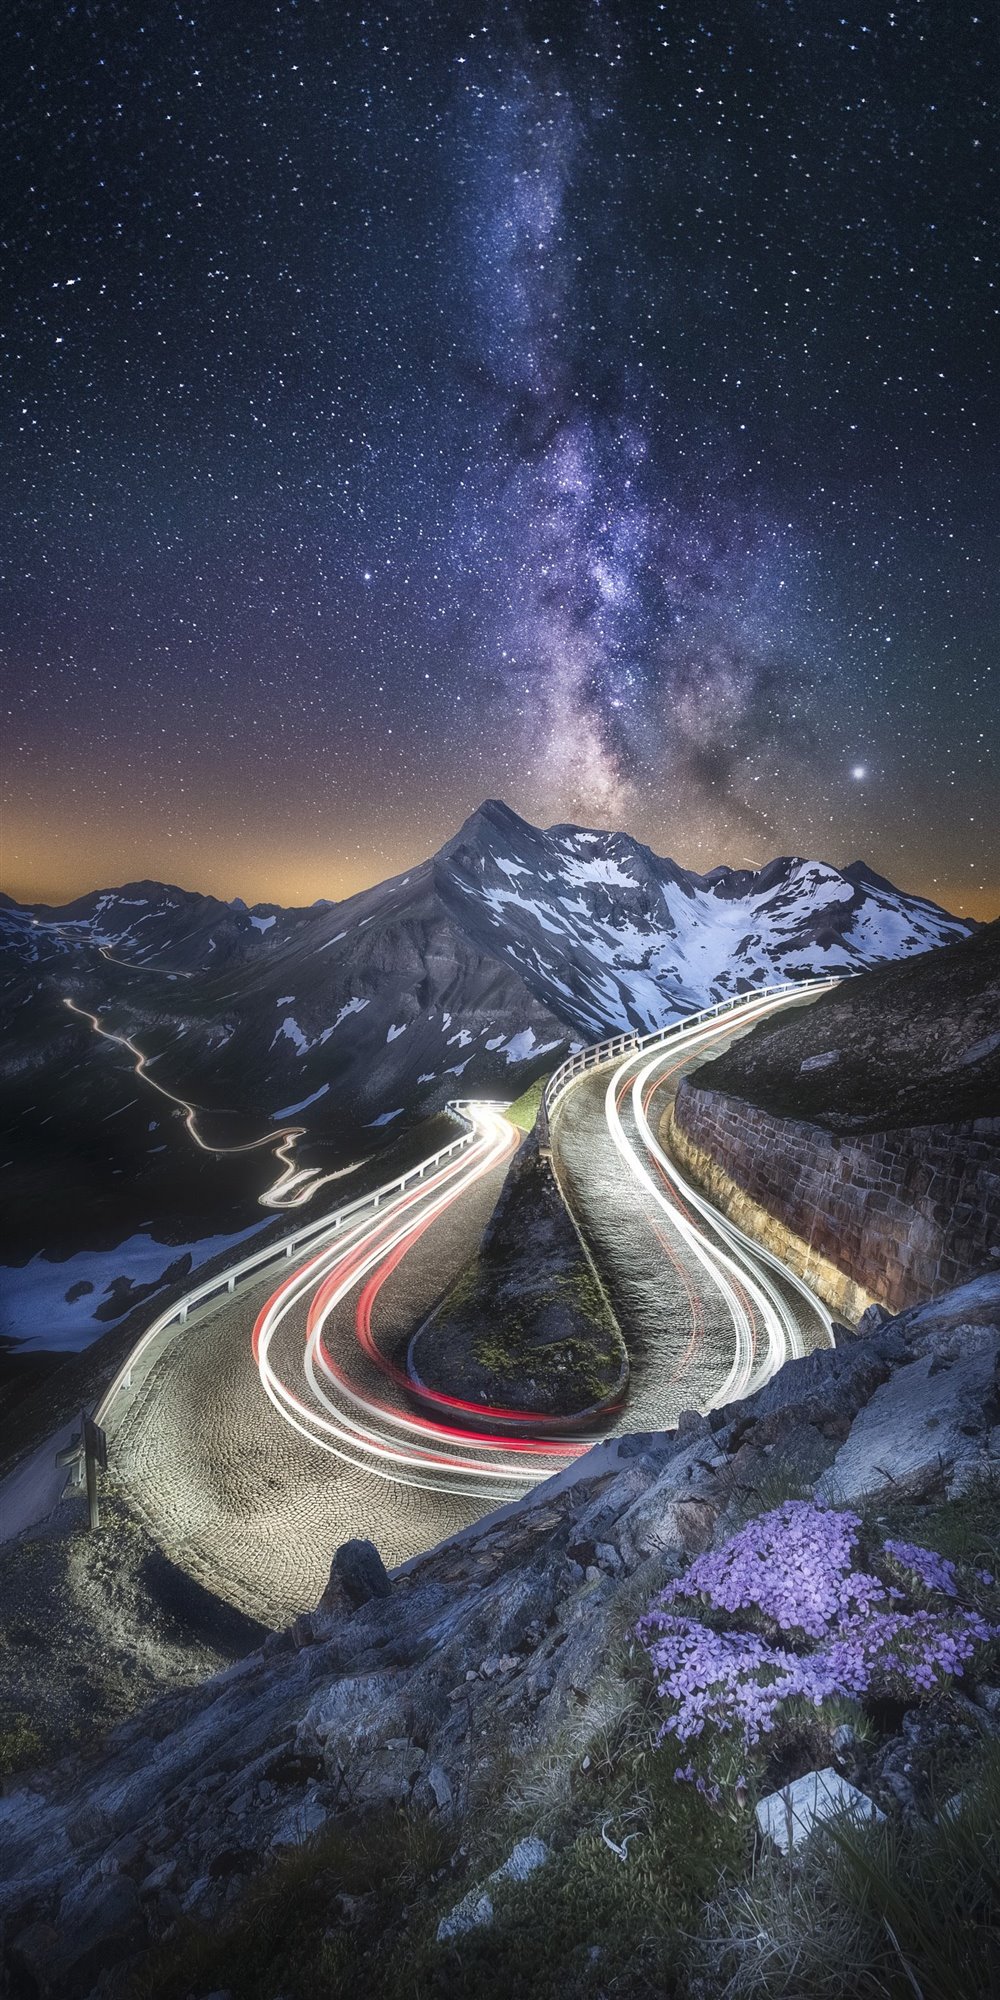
{"x": 43, "y": 862}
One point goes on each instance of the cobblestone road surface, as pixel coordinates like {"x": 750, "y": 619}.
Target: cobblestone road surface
{"x": 676, "y": 1325}
{"x": 243, "y": 1502}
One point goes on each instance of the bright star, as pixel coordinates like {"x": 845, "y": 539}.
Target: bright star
{"x": 859, "y": 771}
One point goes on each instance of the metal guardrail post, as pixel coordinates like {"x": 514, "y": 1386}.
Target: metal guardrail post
{"x": 95, "y": 1453}
{"x": 87, "y": 1450}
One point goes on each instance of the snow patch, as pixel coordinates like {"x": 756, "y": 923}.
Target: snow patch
{"x": 292, "y": 1033}
{"x": 289, "y": 1110}
{"x": 522, "y": 1046}
{"x": 350, "y": 1007}
{"x": 34, "y": 1305}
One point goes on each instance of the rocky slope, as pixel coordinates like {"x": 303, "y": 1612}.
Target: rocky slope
{"x": 908, "y": 1044}
{"x": 496, "y": 1654}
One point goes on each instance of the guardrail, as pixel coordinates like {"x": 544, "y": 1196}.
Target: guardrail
{"x": 591, "y": 1057}
{"x": 275, "y": 1253}
{"x": 597, "y": 1053}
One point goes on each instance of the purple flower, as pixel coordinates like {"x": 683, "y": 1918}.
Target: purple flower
{"x": 843, "y": 1630}
{"x": 794, "y": 1565}
{"x": 933, "y": 1571}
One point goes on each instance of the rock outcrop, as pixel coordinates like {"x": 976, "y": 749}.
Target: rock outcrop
{"x": 404, "y": 1690}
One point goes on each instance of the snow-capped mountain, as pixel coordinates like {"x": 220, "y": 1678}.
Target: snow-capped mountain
{"x": 610, "y": 936}
{"x": 474, "y": 970}
{"x": 471, "y": 974}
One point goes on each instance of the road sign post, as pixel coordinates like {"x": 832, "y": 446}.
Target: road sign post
{"x": 87, "y": 1450}
{"x": 95, "y": 1453}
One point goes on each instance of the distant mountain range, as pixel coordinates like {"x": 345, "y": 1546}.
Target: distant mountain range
{"x": 476, "y": 969}
{"x": 472, "y": 973}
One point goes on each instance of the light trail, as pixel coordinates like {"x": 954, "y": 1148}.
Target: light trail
{"x": 741, "y": 1272}
{"x": 317, "y": 1352}
{"x": 135, "y": 965}
{"x": 370, "y": 1430}
{"x": 358, "y": 1403}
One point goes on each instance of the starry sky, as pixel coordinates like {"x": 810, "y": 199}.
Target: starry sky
{"x": 593, "y": 405}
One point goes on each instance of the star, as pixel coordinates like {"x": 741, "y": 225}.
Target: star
{"x": 647, "y": 400}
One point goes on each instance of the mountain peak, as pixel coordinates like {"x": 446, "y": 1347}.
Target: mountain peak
{"x": 496, "y": 813}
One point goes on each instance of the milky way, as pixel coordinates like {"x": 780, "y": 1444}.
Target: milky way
{"x": 646, "y": 629}
{"x": 594, "y": 405}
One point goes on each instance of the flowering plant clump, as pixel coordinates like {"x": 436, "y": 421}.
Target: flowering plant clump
{"x": 793, "y": 1565}
{"x": 784, "y": 1612}
{"x": 934, "y": 1572}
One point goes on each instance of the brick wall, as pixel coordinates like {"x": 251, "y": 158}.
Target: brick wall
{"x": 893, "y": 1216}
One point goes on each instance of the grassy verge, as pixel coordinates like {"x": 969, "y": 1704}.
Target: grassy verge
{"x": 524, "y": 1110}
{"x": 525, "y": 1324}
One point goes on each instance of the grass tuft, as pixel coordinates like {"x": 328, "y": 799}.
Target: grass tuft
{"x": 20, "y": 1744}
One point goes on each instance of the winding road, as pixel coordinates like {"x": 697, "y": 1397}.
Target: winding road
{"x": 276, "y": 1423}
{"x": 709, "y": 1314}
{"x": 294, "y": 1185}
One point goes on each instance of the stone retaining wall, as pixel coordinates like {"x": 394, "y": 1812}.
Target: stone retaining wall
{"x": 893, "y": 1217}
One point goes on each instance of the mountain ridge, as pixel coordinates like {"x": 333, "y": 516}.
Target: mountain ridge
{"x": 601, "y": 932}
{"x": 469, "y": 975}
{"x": 497, "y": 811}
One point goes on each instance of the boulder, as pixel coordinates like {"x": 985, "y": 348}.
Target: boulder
{"x": 523, "y": 1860}
{"x": 691, "y": 1424}
{"x": 934, "y": 1420}
{"x": 357, "y": 1574}
{"x": 790, "y": 1816}
{"x": 872, "y": 1318}
{"x": 98, "y": 1925}
{"x": 298, "y": 1824}
{"x": 476, "y": 1911}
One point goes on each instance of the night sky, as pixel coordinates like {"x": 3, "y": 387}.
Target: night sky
{"x": 589, "y": 405}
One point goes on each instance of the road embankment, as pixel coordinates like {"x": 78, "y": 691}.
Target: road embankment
{"x": 860, "y": 1138}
